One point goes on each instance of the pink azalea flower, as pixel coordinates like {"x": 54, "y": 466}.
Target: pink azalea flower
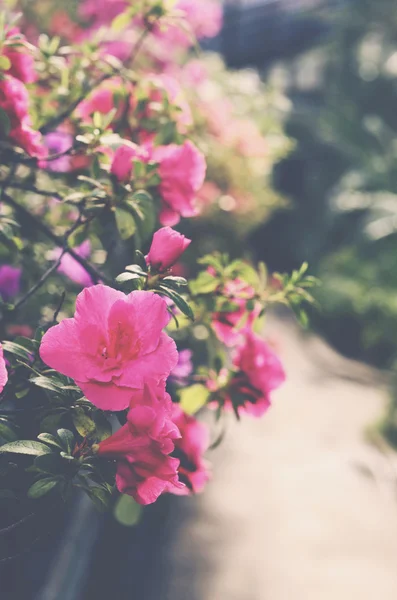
{"x": 189, "y": 449}
{"x": 167, "y": 247}
{"x": 123, "y": 161}
{"x": 14, "y": 100}
{"x": 230, "y": 325}
{"x": 71, "y": 268}
{"x": 182, "y": 172}
{"x": 111, "y": 94}
{"x": 21, "y": 59}
{"x": 142, "y": 448}
{"x": 260, "y": 372}
{"x": 183, "y": 369}
{"x": 3, "y": 370}
{"x": 10, "y": 281}
{"x": 112, "y": 345}
{"x": 160, "y": 86}
{"x": 58, "y": 142}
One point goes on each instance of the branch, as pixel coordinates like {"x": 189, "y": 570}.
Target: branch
{"x": 32, "y": 188}
{"x": 40, "y": 282}
{"x": 58, "y": 241}
{"x": 55, "y": 121}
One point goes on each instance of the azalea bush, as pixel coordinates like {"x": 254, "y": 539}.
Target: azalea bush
{"x": 111, "y": 344}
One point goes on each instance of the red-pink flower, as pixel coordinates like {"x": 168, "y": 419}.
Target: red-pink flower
{"x": 15, "y": 48}
{"x": 73, "y": 269}
{"x": 259, "y": 373}
{"x": 189, "y": 449}
{"x": 142, "y": 448}
{"x": 111, "y": 94}
{"x": 182, "y": 172}
{"x": 14, "y": 100}
{"x": 230, "y": 324}
{"x": 3, "y": 370}
{"x": 167, "y": 247}
{"x": 123, "y": 161}
{"x": 113, "y": 345}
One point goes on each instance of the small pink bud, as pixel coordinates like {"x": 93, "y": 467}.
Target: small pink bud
{"x": 167, "y": 246}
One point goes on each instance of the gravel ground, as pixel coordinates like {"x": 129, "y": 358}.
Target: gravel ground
{"x": 301, "y": 507}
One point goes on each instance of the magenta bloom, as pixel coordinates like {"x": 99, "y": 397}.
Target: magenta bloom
{"x": 123, "y": 161}
{"x": 19, "y": 55}
{"x": 230, "y": 325}
{"x": 113, "y": 345}
{"x": 182, "y": 172}
{"x": 260, "y": 372}
{"x": 189, "y": 449}
{"x": 58, "y": 142}
{"x": 71, "y": 268}
{"x": 142, "y": 449}
{"x": 14, "y": 100}
{"x": 10, "y": 282}
{"x": 183, "y": 369}
{"x": 3, "y": 370}
{"x": 167, "y": 247}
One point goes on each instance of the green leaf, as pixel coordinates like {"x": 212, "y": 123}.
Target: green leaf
{"x": 125, "y": 223}
{"x": 141, "y": 260}
{"x": 17, "y": 350}
{"x": 50, "y": 439}
{"x": 84, "y": 425}
{"x": 204, "y": 284}
{"x": 49, "y": 463}
{"x": 67, "y": 439}
{"x": 29, "y": 447}
{"x": 174, "y": 283}
{"x": 103, "y": 427}
{"x": 178, "y": 301}
{"x": 5, "y": 63}
{"x": 125, "y": 277}
{"x": 136, "y": 269}
{"x": 120, "y": 22}
{"x": 126, "y": 511}
{"x": 47, "y": 383}
{"x": 7, "y": 434}
{"x": 100, "y": 497}
{"x": 193, "y": 398}
{"x": 42, "y": 487}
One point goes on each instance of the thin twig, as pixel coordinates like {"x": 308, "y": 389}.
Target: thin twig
{"x": 40, "y": 282}
{"x": 32, "y": 188}
{"x": 55, "y": 121}
{"x": 58, "y": 241}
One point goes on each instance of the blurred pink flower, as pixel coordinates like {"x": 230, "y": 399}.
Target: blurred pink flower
{"x": 15, "y": 48}
{"x": 259, "y": 373}
{"x": 123, "y": 160}
{"x": 71, "y": 268}
{"x": 113, "y": 345}
{"x": 181, "y": 372}
{"x": 142, "y": 448}
{"x": 182, "y": 172}
{"x": 193, "y": 470}
{"x": 10, "y": 282}
{"x": 14, "y": 100}
{"x": 231, "y": 324}
{"x": 58, "y": 142}
{"x": 3, "y": 370}
{"x": 167, "y": 246}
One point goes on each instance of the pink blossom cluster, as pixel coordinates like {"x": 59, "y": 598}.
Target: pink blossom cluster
{"x": 181, "y": 169}
{"x": 14, "y": 97}
{"x": 116, "y": 351}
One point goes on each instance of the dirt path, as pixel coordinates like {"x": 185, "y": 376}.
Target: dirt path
{"x": 301, "y": 507}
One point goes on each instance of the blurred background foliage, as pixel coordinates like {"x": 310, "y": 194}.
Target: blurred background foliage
{"x": 341, "y": 182}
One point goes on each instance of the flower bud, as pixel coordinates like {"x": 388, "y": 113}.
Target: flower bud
{"x": 167, "y": 246}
